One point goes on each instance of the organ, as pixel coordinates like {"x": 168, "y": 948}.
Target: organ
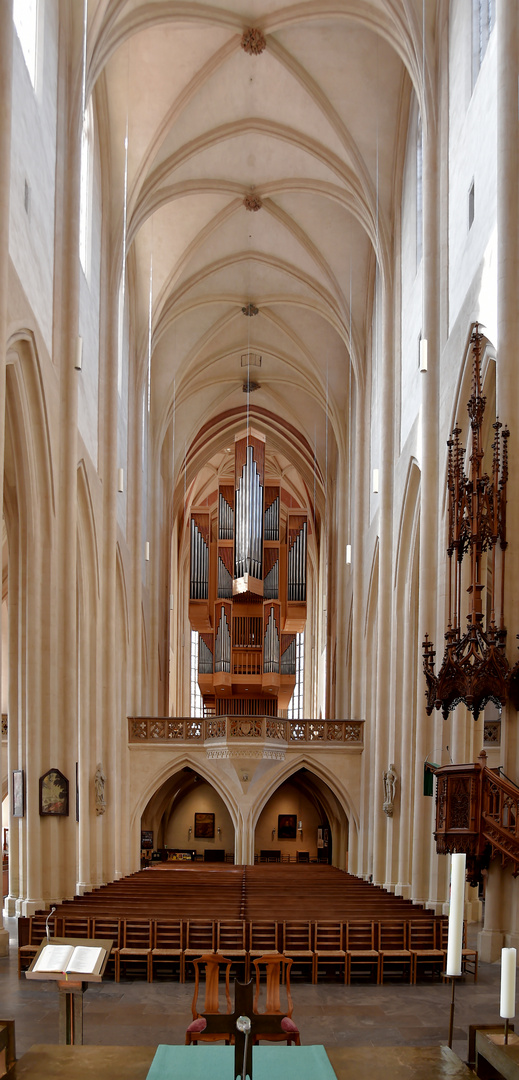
{"x": 248, "y": 582}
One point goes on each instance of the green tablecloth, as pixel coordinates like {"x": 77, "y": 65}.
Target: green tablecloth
{"x": 216, "y": 1063}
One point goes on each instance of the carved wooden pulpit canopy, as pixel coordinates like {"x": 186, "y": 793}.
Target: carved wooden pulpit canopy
{"x": 474, "y": 669}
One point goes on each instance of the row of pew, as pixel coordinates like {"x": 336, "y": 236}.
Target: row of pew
{"x": 326, "y": 920}
{"x": 360, "y": 947}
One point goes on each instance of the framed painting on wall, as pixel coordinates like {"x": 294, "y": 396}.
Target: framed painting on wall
{"x": 287, "y": 825}
{"x": 18, "y": 803}
{"x": 53, "y": 793}
{"x": 204, "y": 826}
{"x": 146, "y": 838}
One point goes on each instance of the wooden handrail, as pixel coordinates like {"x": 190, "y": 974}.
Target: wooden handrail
{"x": 477, "y": 812}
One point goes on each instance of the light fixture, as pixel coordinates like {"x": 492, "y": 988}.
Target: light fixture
{"x": 375, "y": 481}
{"x": 78, "y": 361}
{"x": 147, "y": 551}
{"x": 189, "y": 831}
{"x": 348, "y": 553}
{"x": 219, "y": 831}
{"x": 120, "y": 480}
{"x": 273, "y": 834}
{"x": 423, "y": 354}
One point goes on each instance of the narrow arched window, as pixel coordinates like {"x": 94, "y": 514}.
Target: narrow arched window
{"x": 295, "y": 709}
{"x": 197, "y": 705}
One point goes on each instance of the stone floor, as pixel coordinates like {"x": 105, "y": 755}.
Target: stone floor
{"x": 134, "y": 1012}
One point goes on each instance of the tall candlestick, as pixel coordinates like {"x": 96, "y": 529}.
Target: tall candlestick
{"x": 508, "y": 974}
{"x": 455, "y": 936}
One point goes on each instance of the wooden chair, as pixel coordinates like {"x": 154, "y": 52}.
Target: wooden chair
{"x": 167, "y": 945}
{"x": 423, "y": 946}
{"x": 7, "y": 1047}
{"x": 277, "y": 971}
{"x": 392, "y": 948}
{"x": 135, "y": 946}
{"x": 36, "y": 933}
{"x": 297, "y": 943}
{"x": 109, "y": 928}
{"x": 361, "y": 950}
{"x": 263, "y": 937}
{"x": 199, "y": 938}
{"x": 231, "y": 939}
{"x": 78, "y": 926}
{"x": 211, "y": 963}
{"x": 468, "y": 956}
{"x": 329, "y": 948}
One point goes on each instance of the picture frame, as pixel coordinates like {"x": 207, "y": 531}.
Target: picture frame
{"x": 54, "y": 792}
{"x": 18, "y": 800}
{"x": 287, "y": 826}
{"x": 146, "y": 838}
{"x": 204, "y": 826}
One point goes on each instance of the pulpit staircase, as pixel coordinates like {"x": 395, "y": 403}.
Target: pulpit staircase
{"x": 477, "y": 812}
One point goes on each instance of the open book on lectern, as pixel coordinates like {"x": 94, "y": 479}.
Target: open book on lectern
{"x": 81, "y": 959}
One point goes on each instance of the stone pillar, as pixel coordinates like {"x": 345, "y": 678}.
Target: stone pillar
{"x": 6, "y": 61}
{"x": 382, "y": 833}
{"x": 66, "y": 321}
{"x": 357, "y": 852}
{"x": 507, "y": 381}
{"x": 110, "y": 824}
{"x": 430, "y": 506}
{"x": 340, "y": 601}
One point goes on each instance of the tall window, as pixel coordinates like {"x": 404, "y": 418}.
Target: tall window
{"x": 86, "y": 182}
{"x": 25, "y": 17}
{"x": 295, "y": 709}
{"x": 483, "y": 20}
{"x": 197, "y": 705}
{"x": 419, "y": 191}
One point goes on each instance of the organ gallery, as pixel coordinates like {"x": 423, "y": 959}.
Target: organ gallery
{"x": 248, "y": 587}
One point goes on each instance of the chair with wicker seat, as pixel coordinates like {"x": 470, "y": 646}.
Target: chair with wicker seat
{"x": 277, "y": 971}
{"x": 212, "y": 963}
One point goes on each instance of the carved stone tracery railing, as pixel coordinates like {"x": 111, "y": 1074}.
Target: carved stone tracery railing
{"x": 148, "y": 730}
{"x": 477, "y": 812}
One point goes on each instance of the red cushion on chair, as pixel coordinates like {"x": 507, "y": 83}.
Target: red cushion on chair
{"x": 198, "y": 1025}
{"x": 288, "y": 1025}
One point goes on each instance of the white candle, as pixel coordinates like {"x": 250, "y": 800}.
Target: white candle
{"x": 456, "y": 907}
{"x": 508, "y": 969}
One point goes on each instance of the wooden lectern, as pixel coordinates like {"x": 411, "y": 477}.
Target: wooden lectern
{"x": 72, "y": 985}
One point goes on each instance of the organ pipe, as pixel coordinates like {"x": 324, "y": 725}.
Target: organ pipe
{"x": 271, "y": 583}
{"x": 225, "y": 519}
{"x": 249, "y": 521}
{"x": 205, "y": 658}
{"x": 271, "y": 646}
{"x": 297, "y": 566}
{"x": 288, "y": 659}
{"x": 272, "y": 521}
{"x": 222, "y": 649}
{"x": 224, "y": 581}
{"x": 199, "y": 565}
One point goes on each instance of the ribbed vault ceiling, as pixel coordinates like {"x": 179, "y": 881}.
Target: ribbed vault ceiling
{"x": 314, "y": 127}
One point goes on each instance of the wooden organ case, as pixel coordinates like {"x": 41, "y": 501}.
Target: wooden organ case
{"x": 248, "y": 575}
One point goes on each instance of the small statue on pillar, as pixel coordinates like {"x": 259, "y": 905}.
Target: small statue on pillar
{"x": 390, "y": 779}
{"x": 99, "y": 784}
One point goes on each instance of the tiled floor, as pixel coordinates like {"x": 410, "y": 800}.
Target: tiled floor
{"x": 134, "y": 1012}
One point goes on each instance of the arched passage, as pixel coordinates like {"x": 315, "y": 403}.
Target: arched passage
{"x": 303, "y": 819}
{"x": 186, "y": 813}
